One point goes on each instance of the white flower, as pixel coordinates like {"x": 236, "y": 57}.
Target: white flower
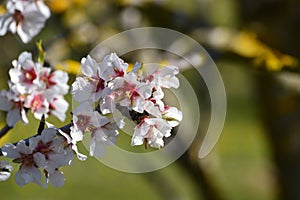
{"x": 172, "y": 115}
{"x": 112, "y": 67}
{"x": 58, "y": 107}
{"x": 14, "y": 106}
{"x": 153, "y": 130}
{"x": 104, "y": 135}
{"x": 36, "y": 88}
{"x": 129, "y": 92}
{"x": 71, "y": 144}
{"x": 51, "y": 153}
{"x": 23, "y": 154}
{"x": 164, "y": 77}
{"x": 24, "y": 74}
{"x": 84, "y": 119}
{"x": 38, "y": 104}
{"x": 55, "y": 83}
{"x": 26, "y": 18}
{"x": 137, "y": 96}
{"x": 92, "y": 86}
{"x": 46, "y": 152}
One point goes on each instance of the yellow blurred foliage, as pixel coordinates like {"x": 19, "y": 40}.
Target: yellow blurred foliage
{"x": 133, "y": 2}
{"x": 2, "y": 9}
{"x": 59, "y": 6}
{"x": 70, "y": 66}
{"x": 247, "y": 45}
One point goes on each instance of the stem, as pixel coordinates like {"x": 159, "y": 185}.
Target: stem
{"x": 4, "y": 130}
{"x": 42, "y": 125}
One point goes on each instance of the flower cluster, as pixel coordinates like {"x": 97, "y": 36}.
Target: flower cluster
{"x": 41, "y": 155}
{"x": 24, "y": 17}
{"x": 35, "y": 87}
{"x": 107, "y": 93}
{"x": 109, "y": 86}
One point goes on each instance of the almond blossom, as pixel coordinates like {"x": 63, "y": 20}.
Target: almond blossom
{"x": 135, "y": 94}
{"x": 42, "y": 155}
{"x": 130, "y": 92}
{"x": 152, "y": 130}
{"x": 92, "y": 86}
{"x": 13, "y": 104}
{"x": 104, "y": 135}
{"x": 36, "y": 88}
{"x": 107, "y": 93}
{"x": 24, "y": 17}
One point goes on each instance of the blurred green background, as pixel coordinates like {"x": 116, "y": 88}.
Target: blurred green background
{"x": 256, "y": 47}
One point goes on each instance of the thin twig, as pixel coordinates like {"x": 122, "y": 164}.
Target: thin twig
{"x": 66, "y": 129}
{"x": 42, "y": 125}
{"x": 4, "y": 130}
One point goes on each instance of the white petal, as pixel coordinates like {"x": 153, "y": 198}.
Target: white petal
{"x": 43, "y": 8}
{"x": 5, "y": 21}
{"x": 19, "y": 179}
{"x": 13, "y": 116}
{"x": 40, "y": 160}
{"x": 57, "y": 179}
{"x": 89, "y": 66}
{"x": 60, "y": 108}
{"x": 48, "y": 134}
{"x": 10, "y": 151}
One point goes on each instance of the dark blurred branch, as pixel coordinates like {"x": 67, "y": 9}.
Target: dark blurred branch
{"x": 281, "y": 109}
{"x": 198, "y": 176}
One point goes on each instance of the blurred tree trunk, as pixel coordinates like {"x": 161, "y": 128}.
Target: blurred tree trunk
{"x": 281, "y": 108}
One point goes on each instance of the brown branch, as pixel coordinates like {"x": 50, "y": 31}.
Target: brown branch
{"x": 4, "y": 130}
{"x": 66, "y": 129}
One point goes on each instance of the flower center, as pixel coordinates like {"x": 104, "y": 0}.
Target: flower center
{"x": 29, "y": 76}
{"x": 18, "y": 16}
{"x": 37, "y": 102}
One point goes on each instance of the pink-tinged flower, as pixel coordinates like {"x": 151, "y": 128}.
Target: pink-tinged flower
{"x": 92, "y": 86}
{"x": 23, "y": 154}
{"x": 152, "y": 109}
{"x": 151, "y": 130}
{"x": 24, "y": 74}
{"x": 104, "y": 135}
{"x": 129, "y": 92}
{"x": 83, "y": 119}
{"x": 26, "y": 18}
{"x": 68, "y": 142}
{"x": 58, "y": 107}
{"x": 46, "y": 152}
{"x": 172, "y": 115}
{"x": 14, "y": 106}
{"x": 54, "y": 83}
{"x": 164, "y": 77}
{"x": 112, "y": 67}
{"x": 36, "y": 88}
{"x": 50, "y": 153}
{"x": 38, "y": 104}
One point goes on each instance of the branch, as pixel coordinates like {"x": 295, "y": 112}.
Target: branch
{"x": 4, "y": 130}
{"x": 65, "y": 129}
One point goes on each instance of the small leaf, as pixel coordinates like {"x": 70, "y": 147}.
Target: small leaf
{"x": 42, "y": 53}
